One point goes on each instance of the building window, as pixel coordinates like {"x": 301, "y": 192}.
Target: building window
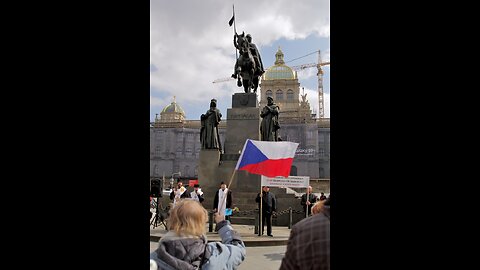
{"x": 186, "y": 171}
{"x": 268, "y": 94}
{"x": 321, "y": 152}
{"x": 322, "y": 173}
{"x": 157, "y": 151}
{"x": 155, "y": 170}
{"x": 279, "y": 95}
{"x": 321, "y": 138}
{"x": 290, "y": 94}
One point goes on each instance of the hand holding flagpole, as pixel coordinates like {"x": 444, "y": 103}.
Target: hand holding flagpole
{"x": 307, "y": 203}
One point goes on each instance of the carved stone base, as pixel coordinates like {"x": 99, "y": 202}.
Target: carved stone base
{"x": 242, "y": 100}
{"x": 208, "y": 167}
{"x": 242, "y": 124}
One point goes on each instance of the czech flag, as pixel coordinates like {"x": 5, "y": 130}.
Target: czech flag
{"x": 267, "y": 158}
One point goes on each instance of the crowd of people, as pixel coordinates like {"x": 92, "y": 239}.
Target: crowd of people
{"x": 185, "y": 246}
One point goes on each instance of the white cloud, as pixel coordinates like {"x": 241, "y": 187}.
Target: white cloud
{"x": 155, "y": 101}
{"x": 307, "y": 73}
{"x": 192, "y": 44}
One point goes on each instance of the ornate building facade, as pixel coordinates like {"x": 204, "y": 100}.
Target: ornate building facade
{"x": 175, "y": 141}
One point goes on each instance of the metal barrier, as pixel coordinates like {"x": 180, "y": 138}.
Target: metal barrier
{"x": 290, "y": 212}
{"x": 255, "y": 215}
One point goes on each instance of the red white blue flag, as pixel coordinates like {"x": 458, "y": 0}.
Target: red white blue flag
{"x": 267, "y": 158}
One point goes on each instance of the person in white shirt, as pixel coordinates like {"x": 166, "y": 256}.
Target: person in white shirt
{"x": 178, "y": 193}
{"x": 223, "y": 200}
{"x": 197, "y": 194}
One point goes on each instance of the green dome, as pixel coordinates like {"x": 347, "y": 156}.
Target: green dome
{"x": 173, "y": 108}
{"x": 279, "y": 71}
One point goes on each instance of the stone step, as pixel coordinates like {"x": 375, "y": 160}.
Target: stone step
{"x": 242, "y": 220}
{"x": 246, "y": 193}
{"x": 244, "y": 200}
{"x": 250, "y": 194}
{"x": 279, "y": 193}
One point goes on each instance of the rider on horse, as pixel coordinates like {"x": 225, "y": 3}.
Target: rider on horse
{"x": 242, "y": 44}
{"x": 256, "y": 55}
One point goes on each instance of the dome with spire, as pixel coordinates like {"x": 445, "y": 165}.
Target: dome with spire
{"x": 172, "y": 113}
{"x": 173, "y": 108}
{"x": 279, "y": 71}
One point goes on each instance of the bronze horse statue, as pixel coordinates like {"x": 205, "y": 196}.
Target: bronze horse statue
{"x": 245, "y": 66}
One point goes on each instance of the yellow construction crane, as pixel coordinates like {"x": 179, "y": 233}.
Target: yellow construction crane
{"x": 319, "y": 65}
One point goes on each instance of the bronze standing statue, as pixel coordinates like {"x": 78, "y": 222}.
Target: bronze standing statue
{"x": 269, "y": 126}
{"x": 209, "y": 136}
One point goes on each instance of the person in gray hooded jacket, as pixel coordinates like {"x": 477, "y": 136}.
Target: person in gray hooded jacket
{"x": 185, "y": 245}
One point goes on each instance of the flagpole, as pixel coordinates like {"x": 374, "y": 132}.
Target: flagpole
{"x": 231, "y": 178}
{"x": 260, "y": 228}
{"x": 308, "y": 200}
{"x": 234, "y": 29}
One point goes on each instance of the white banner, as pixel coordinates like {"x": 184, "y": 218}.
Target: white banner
{"x": 291, "y": 181}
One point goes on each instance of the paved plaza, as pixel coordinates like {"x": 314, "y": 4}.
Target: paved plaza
{"x": 265, "y": 258}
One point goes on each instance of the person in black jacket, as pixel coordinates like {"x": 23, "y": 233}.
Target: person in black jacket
{"x": 307, "y": 203}
{"x": 268, "y": 207}
{"x": 322, "y": 197}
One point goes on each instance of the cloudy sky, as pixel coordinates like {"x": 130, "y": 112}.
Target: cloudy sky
{"x": 191, "y": 45}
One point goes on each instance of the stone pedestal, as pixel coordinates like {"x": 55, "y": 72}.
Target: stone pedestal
{"x": 243, "y": 122}
{"x": 208, "y": 168}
